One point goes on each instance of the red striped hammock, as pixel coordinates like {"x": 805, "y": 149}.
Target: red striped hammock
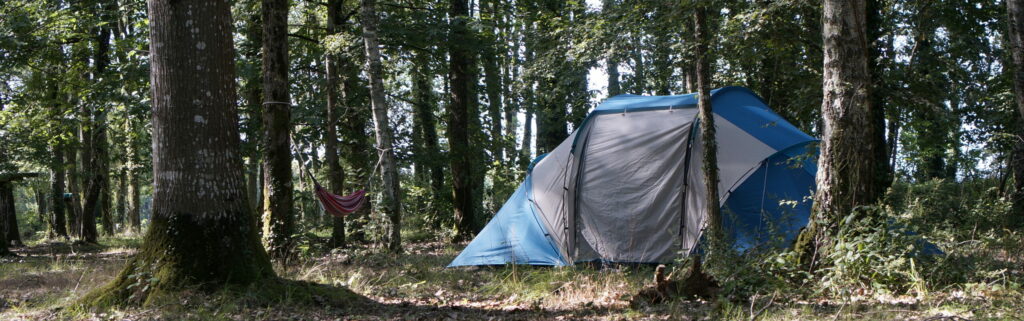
{"x": 340, "y": 205}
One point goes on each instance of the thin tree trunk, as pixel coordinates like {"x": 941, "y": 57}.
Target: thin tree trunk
{"x": 122, "y": 197}
{"x": 1015, "y": 13}
{"x": 846, "y": 172}
{"x": 707, "y": 129}
{"x": 335, "y": 173}
{"x": 612, "y": 62}
{"x": 356, "y": 151}
{"x": 202, "y": 230}
{"x": 43, "y": 210}
{"x": 459, "y": 127}
{"x": 879, "y": 90}
{"x": 614, "y": 89}
{"x": 57, "y": 174}
{"x": 74, "y": 205}
{"x": 278, "y": 214}
{"x": 97, "y": 159}
{"x": 135, "y": 204}
{"x": 428, "y": 157}
{"x": 492, "y": 79}
{"x": 389, "y": 170}
{"x": 527, "y": 137}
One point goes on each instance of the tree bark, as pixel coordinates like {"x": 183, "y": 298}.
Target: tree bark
{"x": 707, "y": 129}
{"x": 492, "y": 79}
{"x": 278, "y": 214}
{"x": 135, "y": 202}
{"x": 846, "y": 171}
{"x": 202, "y": 232}
{"x": 122, "y": 197}
{"x": 335, "y": 173}
{"x": 389, "y": 170}
{"x": 428, "y": 156}
{"x": 1015, "y": 13}
{"x": 8, "y": 216}
{"x": 57, "y": 174}
{"x": 879, "y": 90}
{"x": 461, "y": 153}
{"x": 74, "y": 204}
{"x": 612, "y": 62}
{"x": 95, "y": 136}
{"x": 43, "y": 210}
{"x": 356, "y": 152}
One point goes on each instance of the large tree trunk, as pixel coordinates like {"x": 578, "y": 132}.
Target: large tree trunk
{"x": 335, "y": 173}
{"x": 847, "y": 172}
{"x": 6, "y": 210}
{"x": 202, "y": 231}
{"x": 8, "y": 216}
{"x": 707, "y": 129}
{"x": 391, "y": 196}
{"x": 1015, "y": 12}
{"x": 461, "y": 153}
{"x": 57, "y": 174}
{"x": 278, "y": 216}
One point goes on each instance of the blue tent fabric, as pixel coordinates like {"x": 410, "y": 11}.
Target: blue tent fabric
{"x": 771, "y": 206}
{"x": 515, "y": 235}
{"x": 768, "y": 207}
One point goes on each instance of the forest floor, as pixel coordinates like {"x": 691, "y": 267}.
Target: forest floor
{"x": 49, "y": 276}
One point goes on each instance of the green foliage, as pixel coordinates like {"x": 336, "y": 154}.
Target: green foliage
{"x": 967, "y": 206}
{"x": 872, "y": 253}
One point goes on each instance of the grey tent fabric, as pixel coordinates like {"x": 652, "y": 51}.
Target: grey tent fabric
{"x": 739, "y": 154}
{"x": 549, "y": 194}
{"x": 630, "y": 186}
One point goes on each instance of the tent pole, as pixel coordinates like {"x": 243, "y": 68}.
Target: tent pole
{"x": 686, "y": 184}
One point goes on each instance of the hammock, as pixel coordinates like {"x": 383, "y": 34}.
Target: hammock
{"x": 336, "y": 205}
{"x": 339, "y": 205}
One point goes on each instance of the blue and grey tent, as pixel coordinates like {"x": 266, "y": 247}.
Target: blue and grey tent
{"x": 627, "y": 185}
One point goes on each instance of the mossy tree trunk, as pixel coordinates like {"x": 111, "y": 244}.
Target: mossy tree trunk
{"x": 391, "y": 195}
{"x": 847, "y": 172}
{"x": 203, "y": 232}
{"x": 278, "y": 214}
{"x": 706, "y": 117}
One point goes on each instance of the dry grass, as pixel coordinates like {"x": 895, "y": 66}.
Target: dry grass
{"x": 415, "y": 285}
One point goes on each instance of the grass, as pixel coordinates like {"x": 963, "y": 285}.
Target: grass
{"x": 50, "y": 275}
